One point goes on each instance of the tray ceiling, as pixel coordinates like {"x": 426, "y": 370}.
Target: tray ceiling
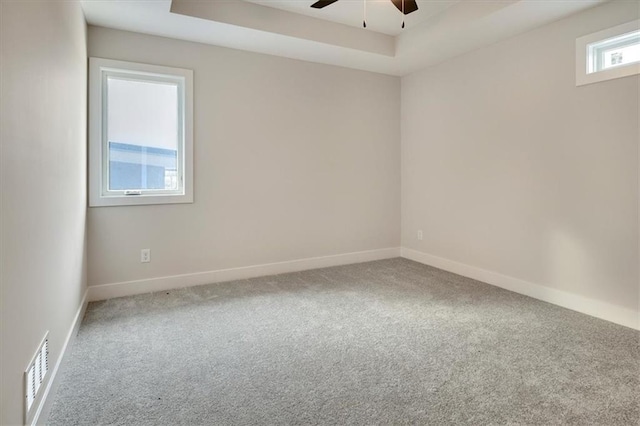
{"x": 439, "y": 30}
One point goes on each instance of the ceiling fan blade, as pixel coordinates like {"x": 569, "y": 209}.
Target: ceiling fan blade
{"x": 409, "y": 5}
{"x": 322, "y": 3}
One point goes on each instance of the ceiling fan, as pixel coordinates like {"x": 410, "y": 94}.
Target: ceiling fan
{"x": 408, "y": 7}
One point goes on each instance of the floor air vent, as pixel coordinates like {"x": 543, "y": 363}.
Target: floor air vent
{"x": 35, "y": 374}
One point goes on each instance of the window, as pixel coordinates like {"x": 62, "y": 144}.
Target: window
{"x": 614, "y": 52}
{"x": 140, "y": 137}
{"x": 608, "y": 54}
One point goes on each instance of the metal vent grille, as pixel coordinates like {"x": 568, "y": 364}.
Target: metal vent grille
{"x": 35, "y": 374}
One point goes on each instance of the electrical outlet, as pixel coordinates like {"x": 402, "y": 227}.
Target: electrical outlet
{"x": 420, "y": 235}
{"x": 145, "y": 255}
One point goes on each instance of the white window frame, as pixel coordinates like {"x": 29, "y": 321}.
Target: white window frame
{"x": 584, "y": 62}
{"x": 99, "y": 195}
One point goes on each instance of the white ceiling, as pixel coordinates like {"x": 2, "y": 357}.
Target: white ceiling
{"x": 439, "y": 30}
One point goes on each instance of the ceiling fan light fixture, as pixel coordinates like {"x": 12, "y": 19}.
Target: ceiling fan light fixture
{"x": 364, "y": 14}
{"x": 410, "y": 7}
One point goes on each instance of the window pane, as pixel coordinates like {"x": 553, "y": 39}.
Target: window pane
{"x": 614, "y": 52}
{"x": 142, "y": 132}
{"x": 621, "y": 56}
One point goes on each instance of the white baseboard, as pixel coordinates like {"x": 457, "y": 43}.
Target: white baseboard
{"x": 129, "y": 288}
{"x": 603, "y": 310}
{"x": 44, "y": 406}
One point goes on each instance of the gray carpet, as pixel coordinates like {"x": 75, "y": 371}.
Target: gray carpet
{"x": 387, "y": 342}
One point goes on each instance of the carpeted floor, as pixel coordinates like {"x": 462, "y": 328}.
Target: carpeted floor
{"x": 387, "y": 342}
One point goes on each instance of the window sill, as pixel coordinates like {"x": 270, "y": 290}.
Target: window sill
{"x": 140, "y": 200}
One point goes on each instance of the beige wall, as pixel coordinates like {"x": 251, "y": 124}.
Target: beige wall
{"x": 292, "y": 160}
{"x": 509, "y": 167}
{"x": 43, "y": 172}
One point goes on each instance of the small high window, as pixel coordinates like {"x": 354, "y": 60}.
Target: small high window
{"x": 140, "y": 145}
{"x": 608, "y": 54}
{"x": 614, "y": 52}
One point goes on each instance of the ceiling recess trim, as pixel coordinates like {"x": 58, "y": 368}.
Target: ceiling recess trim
{"x": 269, "y": 19}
